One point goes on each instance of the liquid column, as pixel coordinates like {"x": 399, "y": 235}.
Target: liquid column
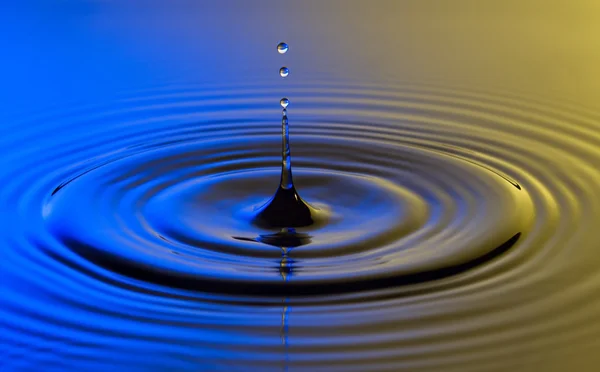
{"x": 286, "y": 158}
{"x": 285, "y": 209}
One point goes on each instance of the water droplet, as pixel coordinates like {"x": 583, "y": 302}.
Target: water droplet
{"x": 284, "y": 71}
{"x": 282, "y": 48}
{"x": 284, "y": 102}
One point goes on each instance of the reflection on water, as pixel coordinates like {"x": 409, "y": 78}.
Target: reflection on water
{"x": 450, "y": 154}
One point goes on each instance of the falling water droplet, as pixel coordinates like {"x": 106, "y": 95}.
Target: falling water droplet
{"x": 284, "y": 102}
{"x": 282, "y": 48}
{"x": 284, "y": 71}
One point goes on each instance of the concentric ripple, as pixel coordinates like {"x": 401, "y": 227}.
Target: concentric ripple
{"x": 442, "y": 212}
{"x": 178, "y": 214}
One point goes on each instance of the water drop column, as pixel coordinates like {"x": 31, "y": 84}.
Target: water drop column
{"x": 286, "y": 157}
{"x": 285, "y": 209}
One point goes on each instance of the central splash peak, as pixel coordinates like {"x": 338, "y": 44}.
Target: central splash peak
{"x": 285, "y": 209}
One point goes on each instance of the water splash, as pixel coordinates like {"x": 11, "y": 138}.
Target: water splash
{"x": 286, "y": 209}
{"x": 423, "y": 230}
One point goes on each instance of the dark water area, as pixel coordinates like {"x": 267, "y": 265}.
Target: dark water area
{"x": 447, "y": 159}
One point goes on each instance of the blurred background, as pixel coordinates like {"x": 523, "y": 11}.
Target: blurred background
{"x": 87, "y": 50}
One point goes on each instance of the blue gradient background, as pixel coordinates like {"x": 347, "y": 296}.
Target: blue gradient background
{"x": 58, "y": 51}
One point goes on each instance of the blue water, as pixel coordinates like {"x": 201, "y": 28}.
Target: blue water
{"x": 454, "y": 225}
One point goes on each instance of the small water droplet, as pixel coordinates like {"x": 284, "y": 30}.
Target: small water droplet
{"x": 284, "y": 102}
{"x": 282, "y": 48}
{"x": 284, "y": 71}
